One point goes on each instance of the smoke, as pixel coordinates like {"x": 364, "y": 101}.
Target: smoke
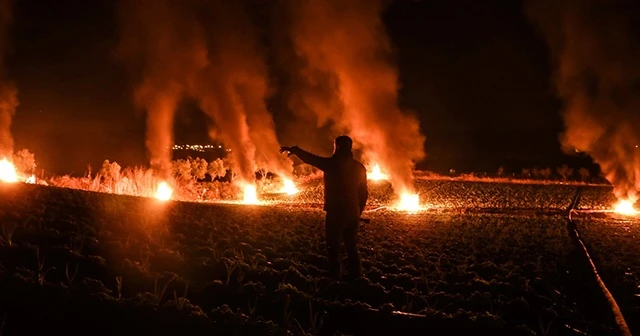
{"x": 164, "y": 48}
{"x": 234, "y": 88}
{"x": 598, "y": 79}
{"x": 345, "y": 75}
{"x": 207, "y": 51}
{"x": 8, "y": 91}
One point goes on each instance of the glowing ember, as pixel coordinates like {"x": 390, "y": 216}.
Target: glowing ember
{"x": 7, "y": 171}
{"x": 31, "y": 179}
{"x": 289, "y": 187}
{"x": 409, "y": 202}
{"x": 625, "y": 207}
{"x": 250, "y": 194}
{"x": 376, "y": 174}
{"x": 164, "y": 191}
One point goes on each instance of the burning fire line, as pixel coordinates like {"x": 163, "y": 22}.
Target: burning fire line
{"x": 289, "y": 187}
{"x": 408, "y": 202}
{"x": 250, "y": 195}
{"x": 625, "y": 207}
{"x": 7, "y": 171}
{"x": 376, "y": 174}
{"x": 164, "y": 191}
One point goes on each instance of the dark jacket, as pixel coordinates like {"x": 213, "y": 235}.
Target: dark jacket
{"x": 345, "y": 181}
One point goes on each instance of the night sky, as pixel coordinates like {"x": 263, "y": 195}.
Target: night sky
{"x": 476, "y": 72}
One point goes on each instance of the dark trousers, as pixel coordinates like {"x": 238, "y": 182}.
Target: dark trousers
{"x": 341, "y": 228}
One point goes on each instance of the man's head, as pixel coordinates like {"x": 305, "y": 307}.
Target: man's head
{"x": 342, "y": 144}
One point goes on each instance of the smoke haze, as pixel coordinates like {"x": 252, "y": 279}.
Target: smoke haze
{"x": 207, "y": 51}
{"x": 160, "y": 39}
{"x": 234, "y": 88}
{"x": 345, "y": 75}
{"x": 594, "y": 46}
{"x": 8, "y": 91}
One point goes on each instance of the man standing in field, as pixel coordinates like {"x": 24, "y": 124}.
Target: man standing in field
{"x": 345, "y": 196}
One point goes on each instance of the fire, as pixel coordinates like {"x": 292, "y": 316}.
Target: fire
{"x": 250, "y": 194}
{"x": 164, "y": 191}
{"x": 409, "y": 202}
{"x": 289, "y": 187}
{"x": 31, "y": 179}
{"x": 376, "y": 174}
{"x": 7, "y": 171}
{"x": 625, "y": 207}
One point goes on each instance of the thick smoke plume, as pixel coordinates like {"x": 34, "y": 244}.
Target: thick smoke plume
{"x": 207, "y": 51}
{"x": 234, "y": 88}
{"x": 346, "y": 75}
{"x": 596, "y": 52}
{"x": 164, "y": 47}
{"x": 8, "y": 91}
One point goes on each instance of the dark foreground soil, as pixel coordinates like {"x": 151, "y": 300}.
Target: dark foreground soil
{"x": 80, "y": 262}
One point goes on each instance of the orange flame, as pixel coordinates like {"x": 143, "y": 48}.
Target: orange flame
{"x": 376, "y": 174}
{"x": 250, "y": 195}
{"x": 7, "y": 171}
{"x": 289, "y": 187}
{"x": 625, "y": 207}
{"x": 164, "y": 191}
{"x": 409, "y": 202}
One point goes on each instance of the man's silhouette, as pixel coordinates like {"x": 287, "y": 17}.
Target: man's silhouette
{"x": 345, "y": 196}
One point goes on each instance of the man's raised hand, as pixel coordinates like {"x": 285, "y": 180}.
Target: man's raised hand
{"x": 284, "y": 149}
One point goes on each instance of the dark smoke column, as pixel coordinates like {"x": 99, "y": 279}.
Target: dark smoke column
{"x": 344, "y": 42}
{"x": 595, "y": 50}
{"x": 8, "y": 91}
{"x": 164, "y": 47}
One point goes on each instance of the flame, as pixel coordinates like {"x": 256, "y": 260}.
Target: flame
{"x": 250, "y": 194}
{"x": 289, "y": 187}
{"x": 409, "y": 202}
{"x": 31, "y": 179}
{"x": 7, "y": 171}
{"x": 625, "y": 207}
{"x": 164, "y": 191}
{"x": 376, "y": 174}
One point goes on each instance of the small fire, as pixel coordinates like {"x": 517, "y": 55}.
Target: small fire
{"x": 409, "y": 202}
{"x": 31, "y": 179}
{"x": 250, "y": 194}
{"x": 164, "y": 191}
{"x": 376, "y": 174}
{"x": 289, "y": 187}
{"x": 625, "y": 207}
{"x": 7, "y": 171}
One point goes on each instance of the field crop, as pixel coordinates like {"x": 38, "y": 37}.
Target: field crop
{"x": 614, "y": 246}
{"x": 446, "y": 194}
{"x": 72, "y": 259}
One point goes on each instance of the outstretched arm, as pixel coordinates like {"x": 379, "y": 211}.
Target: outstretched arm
{"x": 363, "y": 190}
{"x": 319, "y": 162}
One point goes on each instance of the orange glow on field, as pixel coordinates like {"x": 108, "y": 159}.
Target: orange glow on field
{"x": 376, "y": 174}
{"x": 164, "y": 191}
{"x": 7, "y": 171}
{"x": 409, "y": 202}
{"x": 625, "y": 207}
{"x": 289, "y": 187}
{"x": 250, "y": 195}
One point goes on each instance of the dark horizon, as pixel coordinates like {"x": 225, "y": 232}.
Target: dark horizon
{"x": 477, "y": 75}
